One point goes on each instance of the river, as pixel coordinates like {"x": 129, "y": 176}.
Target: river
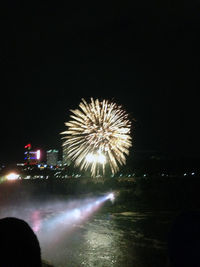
{"x": 70, "y": 235}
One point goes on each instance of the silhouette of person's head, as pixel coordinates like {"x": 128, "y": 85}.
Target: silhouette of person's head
{"x": 19, "y": 245}
{"x": 184, "y": 240}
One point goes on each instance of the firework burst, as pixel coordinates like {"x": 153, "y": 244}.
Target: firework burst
{"x": 98, "y": 134}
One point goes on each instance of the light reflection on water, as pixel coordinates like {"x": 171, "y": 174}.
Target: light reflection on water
{"x": 109, "y": 239}
{"x": 105, "y": 239}
{"x": 101, "y": 243}
{"x": 112, "y": 240}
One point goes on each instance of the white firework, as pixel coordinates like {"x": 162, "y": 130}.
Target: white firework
{"x": 98, "y": 134}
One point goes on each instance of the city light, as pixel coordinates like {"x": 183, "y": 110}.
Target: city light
{"x": 12, "y": 176}
{"x": 28, "y": 146}
{"x": 38, "y": 154}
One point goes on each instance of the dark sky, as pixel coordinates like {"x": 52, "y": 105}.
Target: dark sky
{"x": 143, "y": 56}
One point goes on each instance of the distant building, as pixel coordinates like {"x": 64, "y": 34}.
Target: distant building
{"x": 52, "y": 157}
{"x": 31, "y": 157}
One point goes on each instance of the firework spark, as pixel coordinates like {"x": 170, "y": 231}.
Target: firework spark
{"x": 98, "y": 133}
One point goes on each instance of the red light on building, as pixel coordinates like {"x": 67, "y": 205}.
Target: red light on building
{"x": 28, "y": 146}
{"x": 31, "y": 157}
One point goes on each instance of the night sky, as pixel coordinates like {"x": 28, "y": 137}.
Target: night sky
{"x": 143, "y": 56}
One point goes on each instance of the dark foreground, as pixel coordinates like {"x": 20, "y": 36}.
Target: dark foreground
{"x": 132, "y": 231}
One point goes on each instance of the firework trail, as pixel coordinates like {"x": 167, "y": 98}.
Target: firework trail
{"x": 97, "y": 134}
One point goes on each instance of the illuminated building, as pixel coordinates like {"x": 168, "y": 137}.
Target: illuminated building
{"x": 31, "y": 157}
{"x": 52, "y": 157}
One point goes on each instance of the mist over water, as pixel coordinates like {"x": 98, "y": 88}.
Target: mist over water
{"x": 55, "y": 221}
{"x": 86, "y": 232}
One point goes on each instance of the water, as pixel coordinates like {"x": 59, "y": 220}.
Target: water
{"x": 115, "y": 239}
{"x": 102, "y": 237}
{"x": 75, "y": 231}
